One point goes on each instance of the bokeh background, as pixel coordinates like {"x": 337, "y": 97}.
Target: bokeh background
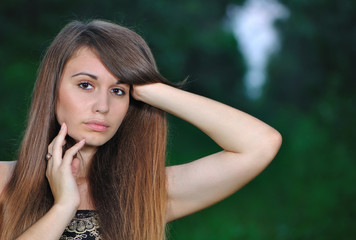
{"x": 308, "y": 94}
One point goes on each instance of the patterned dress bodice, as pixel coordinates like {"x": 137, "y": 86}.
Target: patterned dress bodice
{"x": 84, "y": 226}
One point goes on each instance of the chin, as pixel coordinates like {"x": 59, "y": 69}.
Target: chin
{"x": 92, "y": 141}
{"x": 95, "y": 143}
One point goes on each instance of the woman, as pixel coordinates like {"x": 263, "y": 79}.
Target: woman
{"x": 95, "y": 145}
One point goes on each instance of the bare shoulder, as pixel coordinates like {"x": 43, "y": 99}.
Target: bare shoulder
{"x": 6, "y": 169}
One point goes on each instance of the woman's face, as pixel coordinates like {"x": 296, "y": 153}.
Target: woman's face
{"x": 91, "y": 100}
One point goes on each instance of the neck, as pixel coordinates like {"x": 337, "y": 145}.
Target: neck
{"x": 85, "y": 156}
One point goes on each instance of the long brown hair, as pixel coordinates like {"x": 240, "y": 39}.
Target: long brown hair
{"x": 127, "y": 174}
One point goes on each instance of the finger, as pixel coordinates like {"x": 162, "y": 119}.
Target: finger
{"x": 75, "y": 166}
{"x": 49, "y": 165}
{"x": 49, "y": 160}
{"x": 69, "y": 155}
{"x": 50, "y": 151}
{"x": 58, "y": 143}
{"x": 50, "y": 146}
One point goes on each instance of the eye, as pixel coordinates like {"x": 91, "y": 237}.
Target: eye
{"x": 118, "y": 91}
{"x": 85, "y": 85}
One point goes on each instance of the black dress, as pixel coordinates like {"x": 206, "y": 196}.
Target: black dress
{"x": 84, "y": 226}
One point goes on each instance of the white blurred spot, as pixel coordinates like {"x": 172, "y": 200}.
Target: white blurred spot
{"x": 252, "y": 25}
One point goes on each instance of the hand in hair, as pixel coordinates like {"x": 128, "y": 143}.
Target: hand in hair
{"x": 62, "y": 171}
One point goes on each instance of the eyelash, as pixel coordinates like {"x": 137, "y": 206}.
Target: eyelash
{"x": 118, "y": 90}
{"x": 81, "y": 85}
{"x": 114, "y": 90}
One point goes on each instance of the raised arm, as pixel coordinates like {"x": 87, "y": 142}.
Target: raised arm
{"x": 249, "y": 146}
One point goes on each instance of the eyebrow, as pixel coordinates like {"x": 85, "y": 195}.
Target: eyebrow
{"x": 93, "y": 76}
{"x": 87, "y": 74}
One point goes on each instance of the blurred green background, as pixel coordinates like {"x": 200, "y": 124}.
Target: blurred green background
{"x": 309, "y": 190}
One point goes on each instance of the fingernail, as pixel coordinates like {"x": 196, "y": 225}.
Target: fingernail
{"x": 63, "y": 125}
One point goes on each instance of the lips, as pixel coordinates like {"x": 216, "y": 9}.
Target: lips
{"x": 97, "y": 125}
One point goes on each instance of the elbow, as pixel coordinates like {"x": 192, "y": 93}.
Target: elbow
{"x": 267, "y": 146}
{"x": 272, "y": 144}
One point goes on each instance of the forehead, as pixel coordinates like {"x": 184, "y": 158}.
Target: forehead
{"x": 86, "y": 59}
{"x": 83, "y": 56}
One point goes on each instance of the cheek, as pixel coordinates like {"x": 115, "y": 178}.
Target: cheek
{"x": 59, "y": 113}
{"x": 119, "y": 114}
{"x": 66, "y": 110}
{"x": 61, "y": 106}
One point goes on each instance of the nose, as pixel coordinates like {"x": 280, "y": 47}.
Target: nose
{"x": 102, "y": 103}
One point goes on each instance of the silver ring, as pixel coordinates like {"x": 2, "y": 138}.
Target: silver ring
{"x": 48, "y": 156}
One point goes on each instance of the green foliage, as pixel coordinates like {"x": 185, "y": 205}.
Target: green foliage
{"x": 312, "y": 87}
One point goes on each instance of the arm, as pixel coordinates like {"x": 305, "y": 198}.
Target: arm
{"x": 54, "y": 219}
{"x": 61, "y": 176}
{"x": 6, "y": 170}
{"x": 249, "y": 146}
{"x": 51, "y": 225}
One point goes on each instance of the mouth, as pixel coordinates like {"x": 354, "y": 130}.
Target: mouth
{"x": 97, "y": 125}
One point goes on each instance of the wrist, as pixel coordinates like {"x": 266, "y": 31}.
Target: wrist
{"x": 65, "y": 209}
{"x": 142, "y": 92}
